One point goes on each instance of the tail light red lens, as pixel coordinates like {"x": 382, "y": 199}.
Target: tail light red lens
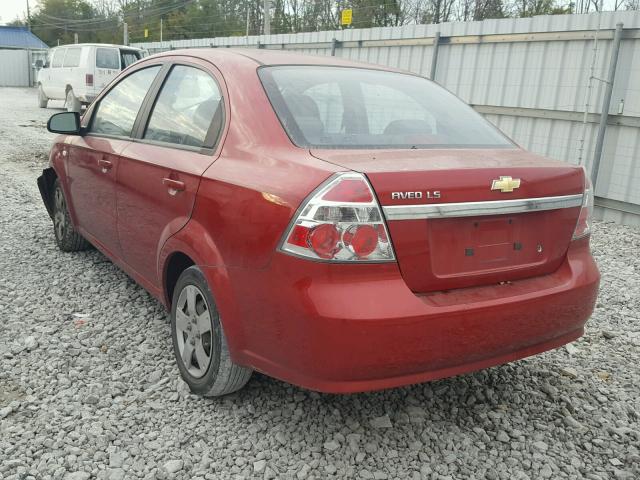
{"x": 89, "y": 79}
{"x": 361, "y": 239}
{"x": 583, "y": 227}
{"x": 342, "y": 222}
{"x": 324, "y": 239}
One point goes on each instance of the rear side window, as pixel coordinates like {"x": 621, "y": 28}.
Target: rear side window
{"x": 58, "y": 57}
{"x": 118, "y": 109}
{"x": 108, "y": 58}
{"x": 337, "y": 107}
{"x": 72, "y": 58}
{"x": 188, "y": 105}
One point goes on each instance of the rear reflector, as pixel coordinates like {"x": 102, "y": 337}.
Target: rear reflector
{"x": 341, "y": 222}
{"x": 349, "y": 190}
{"x": 583, "y": 226}
{"x": 89, "y": 79}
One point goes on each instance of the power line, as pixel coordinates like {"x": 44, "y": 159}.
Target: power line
{"x": 95, "y": 24}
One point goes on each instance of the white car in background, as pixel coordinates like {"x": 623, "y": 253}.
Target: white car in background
{"x": 77, "y": 73}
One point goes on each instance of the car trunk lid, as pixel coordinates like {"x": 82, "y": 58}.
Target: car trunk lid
{"x": 450, "y": 229}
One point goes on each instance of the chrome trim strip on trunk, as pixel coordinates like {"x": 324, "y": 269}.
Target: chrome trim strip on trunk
{"x": 472, "y": 209}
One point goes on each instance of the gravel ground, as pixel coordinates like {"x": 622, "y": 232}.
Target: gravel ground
{"x": 89, "y": 388}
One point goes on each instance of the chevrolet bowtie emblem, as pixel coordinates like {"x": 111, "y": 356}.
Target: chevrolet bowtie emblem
{"x": 505, "y": 184}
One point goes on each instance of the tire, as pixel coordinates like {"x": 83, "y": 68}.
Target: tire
{"x": 198, "y": 336}
{"x": 42, "y": 98}
{"x": 67, "y": 238}
{"x": 72, "y": 103}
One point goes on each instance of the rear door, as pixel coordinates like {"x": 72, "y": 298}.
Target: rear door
{"x": 159, "y": 173}
{"x": 93, "y": 158}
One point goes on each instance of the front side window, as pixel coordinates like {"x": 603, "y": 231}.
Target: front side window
{"x": 117, "y": 111}
{"x": 337, "y": 107}
{"x": 129, "y": 57}
{"x": 108, "y": 58}
{"x": 187, "y": 106}
{"x": 58, "y": 57}
{"x": 72, "y": 58}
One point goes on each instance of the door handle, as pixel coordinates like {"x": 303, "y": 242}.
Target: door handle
{"x": 105, "y": 165}
{"x": 174, "y": 186}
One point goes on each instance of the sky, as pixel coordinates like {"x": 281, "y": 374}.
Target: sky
{"x": 10, "y": 9}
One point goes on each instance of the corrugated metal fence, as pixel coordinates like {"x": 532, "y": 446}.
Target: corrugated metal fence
{"x": 532, "y": 77}
{"x": 16, "y": 67}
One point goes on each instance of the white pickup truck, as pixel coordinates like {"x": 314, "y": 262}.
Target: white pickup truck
{"x": 77, "y": 73}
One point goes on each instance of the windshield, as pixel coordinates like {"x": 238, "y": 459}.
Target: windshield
{"x": 337, "y": 107}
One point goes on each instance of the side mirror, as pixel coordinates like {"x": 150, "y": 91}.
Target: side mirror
{"x": 39, "y": 64}
{"x": 64, "y": 122}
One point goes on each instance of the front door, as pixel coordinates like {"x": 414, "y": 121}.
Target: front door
{"x": 158, "y": 175}
{"x": 92, "y": 166}
{"x": 94, "y": 157}
{"x": 55, "y": 84}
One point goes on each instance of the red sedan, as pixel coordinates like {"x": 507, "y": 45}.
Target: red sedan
{"x": 339, "y": 226}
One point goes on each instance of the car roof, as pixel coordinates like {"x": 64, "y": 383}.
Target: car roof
{"x": 253, "y": 57}
{"x": 97, "y": 45}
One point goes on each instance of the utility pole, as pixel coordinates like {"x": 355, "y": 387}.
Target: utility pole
{"x": 160, "y": 29}
{"x": 606, "y": 104}
{"x": 247, "y": 33}
{"x": 126, "y": 33}
{"x": 28, "y": 17}
{"x": 267, "y": 17}
{"x": 75, "y": 38}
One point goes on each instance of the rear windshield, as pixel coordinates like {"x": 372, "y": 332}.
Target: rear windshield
{"x": 337, "y": 107}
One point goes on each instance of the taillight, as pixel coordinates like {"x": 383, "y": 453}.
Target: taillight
{"x": 89, "y": 79}
{"x": 342, "y": 222}
{"x": 583, "y": 227}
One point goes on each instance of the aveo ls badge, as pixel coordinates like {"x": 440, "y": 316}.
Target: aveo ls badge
{"x": 428, "y": 194}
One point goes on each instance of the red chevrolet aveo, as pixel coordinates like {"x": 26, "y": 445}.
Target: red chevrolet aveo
{"x": 340, "y": 226}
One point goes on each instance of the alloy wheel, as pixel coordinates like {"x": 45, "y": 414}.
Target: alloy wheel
{"x": 193, "y": 331}
{"x": 59, "y": 215}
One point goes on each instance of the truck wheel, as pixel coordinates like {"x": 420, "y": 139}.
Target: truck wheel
{"x": 72, "y": 103}
{"x": 199, "y": 343}
{"x": 67, "y": 238}
{"x": 42, "y": 98}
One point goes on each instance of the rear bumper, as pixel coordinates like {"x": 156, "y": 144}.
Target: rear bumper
{"x": 352, "y": 328}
